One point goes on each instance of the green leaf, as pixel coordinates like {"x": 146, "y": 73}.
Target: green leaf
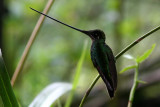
{"x": 140, "y": 81}
{"x": 1, "y": 102}
{"x": 77, "y": 75}
{"x": 127, "y": 68}
{"x": 50, "y": 94}
{"x": 145, "y": 55}
{"x": 6, "y": 91}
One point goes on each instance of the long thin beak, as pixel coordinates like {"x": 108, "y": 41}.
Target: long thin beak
{"x": 83, "y": 31}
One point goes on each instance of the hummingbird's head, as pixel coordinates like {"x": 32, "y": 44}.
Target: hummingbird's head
{"x": 96, "y": 34}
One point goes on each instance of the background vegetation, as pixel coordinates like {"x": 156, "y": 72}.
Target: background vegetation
{"x": 57, "y": 49}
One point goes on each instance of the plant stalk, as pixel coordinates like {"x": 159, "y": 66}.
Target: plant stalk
{"x": 135, "y": 84}
{"x": 30, "y": 42}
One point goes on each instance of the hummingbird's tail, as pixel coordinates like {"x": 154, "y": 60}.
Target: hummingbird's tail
{"x": 110, "y": 87}
{"x": 108, "y": 82}
{"x": 111, "y": 92}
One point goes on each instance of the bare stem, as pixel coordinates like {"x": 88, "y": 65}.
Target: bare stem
{"x": 30, "y": 42}
{"x": 117, "y": 56}
{"x": 135, "y": 84}
{"x": 137, "y": 41}
{"x": 88, "y": 91}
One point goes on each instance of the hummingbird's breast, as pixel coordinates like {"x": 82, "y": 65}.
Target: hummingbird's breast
{"x": 98, "y": 54}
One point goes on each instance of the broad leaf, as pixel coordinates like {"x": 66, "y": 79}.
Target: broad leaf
{"x": 6, "y": 91}
{"x": 50, "y": 94}
{"x": 145, "y": 55}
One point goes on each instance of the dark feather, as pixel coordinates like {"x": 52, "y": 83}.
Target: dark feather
{"x": 112, "y": 66}
{"x": 103, "y": 59}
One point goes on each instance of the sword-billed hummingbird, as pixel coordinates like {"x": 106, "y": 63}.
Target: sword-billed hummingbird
{"x": 101, "y": 56}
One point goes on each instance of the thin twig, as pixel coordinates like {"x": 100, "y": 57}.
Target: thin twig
{"x": 117, "y": 56}
{"x": 88, "y": 91}
{"x": 137, "y": 41}
{"x": 30, "y": 42}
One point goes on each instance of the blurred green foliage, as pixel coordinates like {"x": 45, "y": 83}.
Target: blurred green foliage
{"x": 6, "y": 92}
{"x": 57, "y": 48}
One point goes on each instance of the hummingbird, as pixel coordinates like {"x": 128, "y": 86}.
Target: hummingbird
{"x": 101, "y": 56}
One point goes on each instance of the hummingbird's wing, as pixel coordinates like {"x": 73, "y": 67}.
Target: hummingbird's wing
{"x": 107, "y": 81}
{"x": 112, "y": 66}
